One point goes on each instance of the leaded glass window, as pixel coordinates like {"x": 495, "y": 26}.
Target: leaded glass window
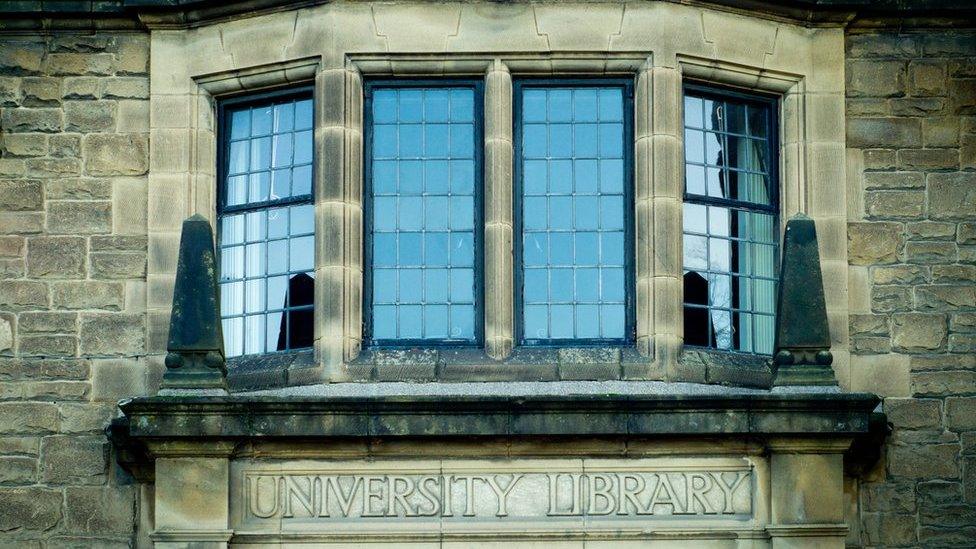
{"x": 424, "y": 215}
{"x": 573, "y": 152}
{"x": 731, "y": 230}
{"x": 266, "y": 223}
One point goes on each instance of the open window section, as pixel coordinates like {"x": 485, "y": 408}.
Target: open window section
{"x": 731, "y": 230}
{"x": 423, "y": 247}
{"x": 574, "y": 211}
{"x": 266, "y": 228}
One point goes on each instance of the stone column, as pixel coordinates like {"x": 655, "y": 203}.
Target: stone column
{"x": 192, "y": 507}
{"x": 339, "y": 215}
{"x": 644, "y": 208}
{"x": 499, "y": 288}
{"x": 807, "y": 493}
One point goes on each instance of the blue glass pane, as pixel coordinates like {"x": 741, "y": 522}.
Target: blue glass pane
{"x": 573, "y": 211}
{"x": 267, "y": 284}
{"x": 423, "y": 214}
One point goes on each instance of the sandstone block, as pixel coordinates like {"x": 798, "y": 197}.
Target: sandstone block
{"x": 115, "y": 379}
{"x": 79, "y": 64}
{"x": 876, "y": 78}
{"x": 84, "y": 417}
{"x": 117, "y": 243}
{"x": 886, "y": 299}
{"x": 914, "y": 413}
{"x": 25, "y": 144}
{"x": 882, "y": 45}
{"x": 962, "y": 343}
{"x": 947, "y": 44}
{"x": 12, "y": 166}
{"x": 928, "y": 159}
{"x": 952, "y": 195}
{"x": 89, "y": 116}
{"x": 28, "y": 417}
{"x": 918, "y": 332}
{"x": 873, "y": 243}
{"x": 17, "y": 470}
{"x": 879, "y": 159}
{"x": 100, "y": 510}
{"x": 87, "y": 294}
{"x": 41, "y": 91}
{"x": 930, "y": 252}
{"x": 883, "y": 132}
{"x": 961, "y": 413}
{"x": 48, "y": 345}
{"x": 18, "y": 295}
{"x": 31, "y": 120}
{"x": 57, "y": 391}
{"x": 940, "y": 131}
{"x": 125, "y": 88}
{"x": 78, "y": 189}
{"x": 900, "y": 274}
{"x": 65, "y": 146}
{"x": 889, "y": 496}
{"x": 876, "y": 325}
{"x": 106, "y": 334}
{"x": 945, "y": 297}
{"x": 47, "y": 322}
{"x": 118, "y": 265}
{"x": 943, "y": 383}
{"x": 80, "y": 87}
{"x": 56, "y": 257}
{"x": 916, "y": 106}
{"x": 893, "y": 180}
{"x": 116, "y": 154}
{"x": 21, "y": 195}
{"x": 962, "y": 95}
{"x": 953, "y": 274}
{"x": 928, "y": 461}
{"x": 31, "y": 508}
{"x": 71, "y": 217}
{"x": 870, "y": 345}
{"x": 894, "y": 204}
{"x": 927, "y": 78}
{"x": 40, "y": 368}
{"x": 889, "y": 529}
{"x": 931, "y": 230}
{"x": 53, "y": 167}
{"x": 963, "y": 323}
{"x": 73, "y": 459}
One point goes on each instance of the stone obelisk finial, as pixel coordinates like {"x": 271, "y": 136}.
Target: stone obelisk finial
{"x": 802, "y": 352}
{"x": 195, "y": 357}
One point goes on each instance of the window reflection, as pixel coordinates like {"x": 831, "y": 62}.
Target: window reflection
{"x": 266, "y": 228}
{"x": 730, "y": 224}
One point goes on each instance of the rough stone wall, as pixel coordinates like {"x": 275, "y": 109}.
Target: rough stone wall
{"x": 911, "y": 137}
{"x": 74, "y": 119}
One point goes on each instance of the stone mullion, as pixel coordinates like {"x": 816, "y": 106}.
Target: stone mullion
{"x": 667, "y": 169}
{"x": 338, "y": 204}
{"x": 498, "y": 207}
{"x": 644, "y": 210}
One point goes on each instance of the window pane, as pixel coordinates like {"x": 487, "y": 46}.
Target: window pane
{"x": 263, "y": 267}
{"x": 573, "y": 210}
{"x": 730, "y": 252}
{"x": 423, "y": 215}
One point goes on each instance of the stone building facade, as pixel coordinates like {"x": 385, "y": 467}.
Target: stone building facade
{"x": 110, "y": 137}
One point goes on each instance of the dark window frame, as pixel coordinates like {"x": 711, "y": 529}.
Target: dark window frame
{"x": 630, "y": 289}
{"x": 774, "y": 208}
{"x": 477, "y": 86}
{"x": 223, "y": 121}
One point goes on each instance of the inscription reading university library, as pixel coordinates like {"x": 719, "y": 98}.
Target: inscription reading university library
{"x": 491, "y": 495}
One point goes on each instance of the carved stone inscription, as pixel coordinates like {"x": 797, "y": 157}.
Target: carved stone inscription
{"x": 496, "y": 495}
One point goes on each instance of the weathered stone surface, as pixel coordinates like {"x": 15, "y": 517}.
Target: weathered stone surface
{"x": 86, "y": 417}
{"x": 89, "y": 116}
{"x": 930, "y": 252}
{"x": 41, "y": 91}
{"x": 928, "y": 159}
{"x": 966, "y": 233}
{"x": 78, "y": 189}
{"x": 65, "y": 146}
{"x": 943, "y": 383}
{"x": 116, "y": 243}
{"x": 927, "y": 78}
{"x": 914, "y": 413}
{"x": 917, "y": 332}
{"x": 961, "y": 413}
{"x": 17, "y": 470}
{"x": 32, "y": 509}
{"x": 41, "y": 322}
{"x": 114, "y": 380}
{"x": 927, "y": 461}
{"x": 883, "y": 132}
{"x": 34, "y": 368}
{"x": 87, "y": 294}
{"x": 116, "y": 154}
{"x": 945, "y": 298}
{"x": 962, "y": 343}
{"x": 953, "y": 274}
{"x": 876, "y": 78}
{"x": 31, "y": 120}
{"x": 18, "y": 295}
{"x": 931, "y": 230}
{"x": 874, "y": 243}
{"x": 894, "y": 204}
{"x": 118, "y": 265}
{"x": 889, "y": 529}
{"x": 886, "y": 299}
{"x": 53, "y": 167}
{"x": 48, "y": 345}
{"x": 900, "y": 274}
{"x": 893, "y": 180}
{"x": 109, "y": 334}
{"x": 100, "y": 510}
{"x": 21, "y": 194}
{"x": 125, "y": 88}
{"x": 71, "y": 217}
{"x": 28, "y": 417}
{"x": 79, "y": 64}
{"x": 25, "y": 144}
{"x": 57, "y": 257}
{"x": 73, "y": 459}
{"x": 952, "y": 195}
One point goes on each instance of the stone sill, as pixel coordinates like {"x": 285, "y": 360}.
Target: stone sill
{"x": 472, "y": 364}
{"x": 501, "y": 409}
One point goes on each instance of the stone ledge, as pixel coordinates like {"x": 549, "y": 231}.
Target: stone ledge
{"x": 501, "y": 409}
